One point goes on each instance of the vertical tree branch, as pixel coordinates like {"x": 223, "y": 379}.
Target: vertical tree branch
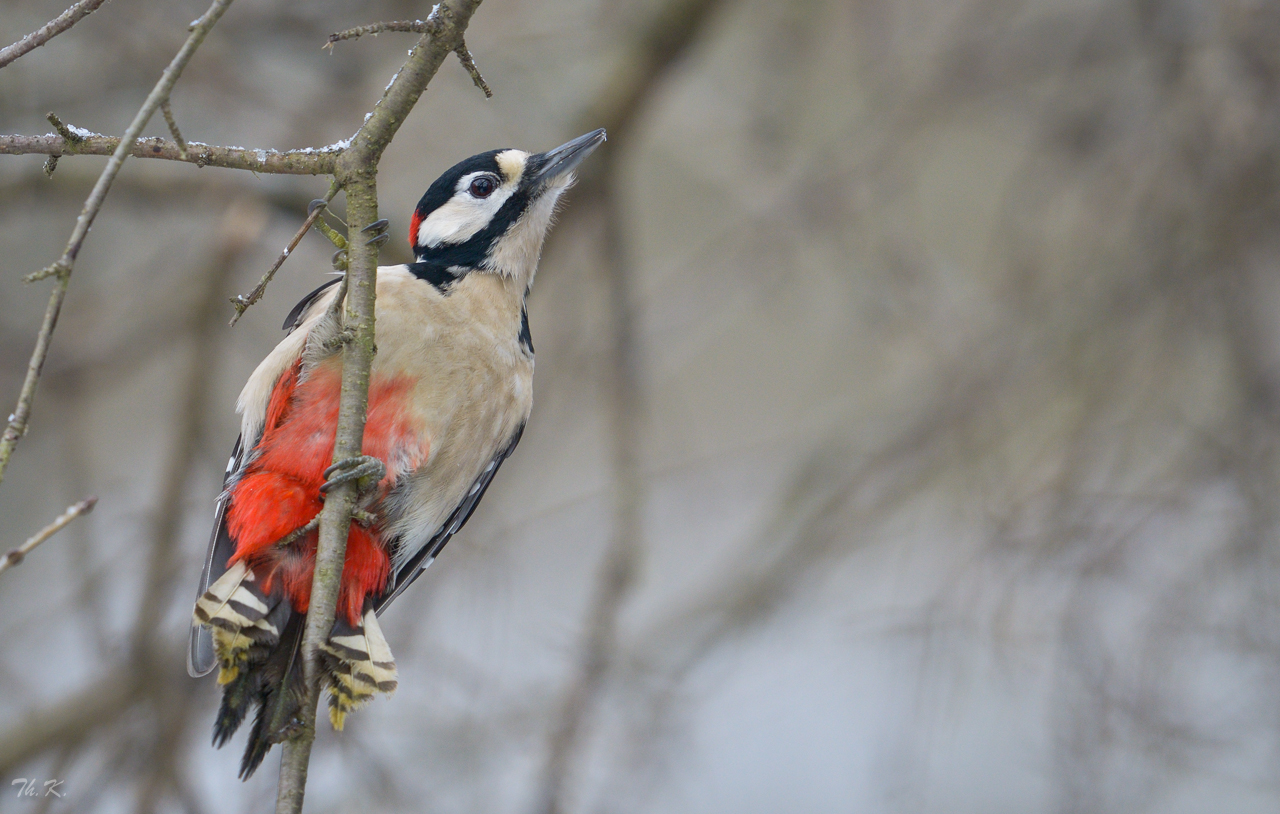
{"x": 335, "y": 518}
{"x": 357, "y": 171}
{"x": 62, "y": 268}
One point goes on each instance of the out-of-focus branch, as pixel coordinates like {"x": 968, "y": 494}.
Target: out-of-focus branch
{"x": 48, "y": 31}
{"x": 675, "y": 28}
{"x": 622, "y": 558}
{"x": 307, "y": 161}
{"x": 356, "y": 171}
{"x": 833, "y": 491}
{"x": 241, "y": 226}
{"x": 16, "y": 556}
{"x": 145, "y": 679}
{"x": 671, "y": 33}
{"x": 71, "y": 720}
{"x": 62, "y": 268}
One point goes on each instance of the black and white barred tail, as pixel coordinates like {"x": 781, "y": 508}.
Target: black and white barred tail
{"x": 257, "y": 639}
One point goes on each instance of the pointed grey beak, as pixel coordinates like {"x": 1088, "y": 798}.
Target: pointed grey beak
{"x": 564, "y": 159}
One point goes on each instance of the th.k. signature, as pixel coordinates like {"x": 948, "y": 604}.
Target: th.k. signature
{"x": 34, "y": 788}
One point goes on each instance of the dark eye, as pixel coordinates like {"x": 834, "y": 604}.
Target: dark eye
{"x": 482, "y": 187}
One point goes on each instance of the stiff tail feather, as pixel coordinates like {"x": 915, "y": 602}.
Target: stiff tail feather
{"x": 358, "y": 663}
{"x": 258, "y": 642}
{"x": 281, "y": 690}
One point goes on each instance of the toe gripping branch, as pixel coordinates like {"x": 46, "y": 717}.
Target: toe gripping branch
{"x": 379, "y": 231}
{"x": 366, "y": 470}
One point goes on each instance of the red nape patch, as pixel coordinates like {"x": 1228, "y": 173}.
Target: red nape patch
{"x": 280, "y": 490}
{"x": 413, "y": 229}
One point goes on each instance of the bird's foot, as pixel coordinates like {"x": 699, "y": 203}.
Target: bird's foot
{"x": 366, "y": 470}
{"x": 379, "y": 231}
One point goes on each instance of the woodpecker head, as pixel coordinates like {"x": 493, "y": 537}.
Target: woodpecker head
{"x": 491, "y": 211}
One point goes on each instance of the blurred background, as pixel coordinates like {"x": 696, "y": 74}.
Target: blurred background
{"x": 905, "y": 440}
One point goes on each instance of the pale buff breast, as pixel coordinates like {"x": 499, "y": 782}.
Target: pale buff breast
{"x": 474, "y": 386}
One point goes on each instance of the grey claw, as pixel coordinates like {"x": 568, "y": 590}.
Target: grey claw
{"x": 378, "y": 226}
{"x": 379, "y": 240}
{"x": 316, "y": 204}
{"x": 340, "y": 260}
{"x": 366, "y": 470}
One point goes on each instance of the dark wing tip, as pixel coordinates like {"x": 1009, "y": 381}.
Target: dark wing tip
{"x": 200, "y": 656}
{"x": 295, "y": 316}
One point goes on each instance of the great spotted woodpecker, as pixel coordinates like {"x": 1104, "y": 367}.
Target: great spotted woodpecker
{"x": 449, "y": 394}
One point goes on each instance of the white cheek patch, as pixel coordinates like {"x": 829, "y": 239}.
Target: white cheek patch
{"x": 462, "y": 215}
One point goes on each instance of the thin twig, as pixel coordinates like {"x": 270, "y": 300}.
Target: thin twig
{"x": 48, "y": 31}
{"x": 356, "y": 171}
{"x": 470, "y": 64}
{"x": 16, "y": 556}
{"x": 402, "y": 26}
{"x": 243, "y": 301}
{"x": 308, "y": 161}
{"x": 70, "y": 136}
{"x": 173, "y": 128}
{"x": 428, "y": 26}
{"x": 62, "y": 268}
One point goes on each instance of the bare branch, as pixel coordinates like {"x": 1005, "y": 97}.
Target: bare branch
{"x": 242, "y": 302}
{"x": 62, "y": 268}
{"x": 427, "y": 26}
{"x": 402, "y": 26}
{"x": 49, "y": 30}
{"x": 309, "y": 161}
{"x": 356, "y": 171}
{"x": 16, "y": 556}
{"x": 469, "y": 63}
{"x": 167, "y": 111}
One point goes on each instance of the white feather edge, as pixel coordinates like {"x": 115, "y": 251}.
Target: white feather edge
{"x": 253, "y": 400}
{"x": 252, "y": 404}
